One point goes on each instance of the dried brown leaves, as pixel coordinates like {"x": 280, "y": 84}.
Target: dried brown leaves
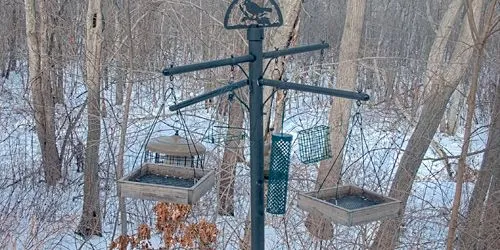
{"x": 171, "y": 223}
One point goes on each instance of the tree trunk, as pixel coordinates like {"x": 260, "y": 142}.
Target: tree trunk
{"x": 340, "y": 111}
{"x": 438, "y": 95}
{"x": 90, "y": 223}
{"x": 490, "y": 228}
{"x": 124, "y": 124}
{"x": 279, "y": 113}
{"x": 454, "y": 110}
{"x": 489, "y": 172}
{"x": 56, "y": 61}
{"x": 479, "y": 215}
{"x": 52, "y": 163}
{"x": 12, "y": 43}
{"x": 471, "y": 108}
{"x": 118, "y": 73}
{"x": 435, "y": 62}
{"x": 490, "y": 237}
{"x": 41, "y": 96}
{"x": 59, "y": 73}
{"x": 230, "y": 158}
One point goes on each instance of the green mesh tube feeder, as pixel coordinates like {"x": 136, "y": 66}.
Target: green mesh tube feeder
{"x": 314, "y": 144}
{"x": 278, "y": 173}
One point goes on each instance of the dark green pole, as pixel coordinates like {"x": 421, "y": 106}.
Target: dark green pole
{"x": 255, "y": 37}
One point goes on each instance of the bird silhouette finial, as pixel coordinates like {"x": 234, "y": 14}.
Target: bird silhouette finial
{"x": 247, "y": 13}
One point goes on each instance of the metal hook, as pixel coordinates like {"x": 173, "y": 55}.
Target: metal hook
{"x": 171, "y": 76}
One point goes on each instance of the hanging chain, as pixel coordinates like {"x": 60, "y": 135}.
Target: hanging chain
{"x": 285, "y": 91}
{"x": 172, "y": 76}
{"x": 231, "y": 76}
{"x": 321, "y": 61}
{"x": 178, "y": 112}
{"x": 359, "y": 123}
{"x": 276, "y": 70}
{"x": 231, "y": 80}
{"x": 183, "y": 124}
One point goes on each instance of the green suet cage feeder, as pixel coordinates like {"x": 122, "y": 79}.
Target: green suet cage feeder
{"x": 314, "y": 144}
{"x": 278, "y": 173}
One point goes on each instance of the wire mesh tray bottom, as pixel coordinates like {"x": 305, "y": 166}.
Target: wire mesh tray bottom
{"x": 353, "y": 202}
{"x": 165, "y": 180}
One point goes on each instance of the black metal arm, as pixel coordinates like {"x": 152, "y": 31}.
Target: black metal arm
{"x": 241, "y": 59}
{"x": 296, "y": 50}
{"x": 318, "y": 90}
{"x": 208, "y": 95}
{"x": 208, "y": 65}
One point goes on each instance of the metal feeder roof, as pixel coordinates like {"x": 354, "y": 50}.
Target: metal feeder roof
{"x": 175, "y": 146}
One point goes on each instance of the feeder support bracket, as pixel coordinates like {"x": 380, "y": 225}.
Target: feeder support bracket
{"x": 296, "y": 50}
{"x": 208, "y": 95}
{"x": 317, "y": 90}
{"x": 207, "y": 65}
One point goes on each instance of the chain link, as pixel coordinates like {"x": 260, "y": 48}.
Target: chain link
{"x": 321, "y": 61}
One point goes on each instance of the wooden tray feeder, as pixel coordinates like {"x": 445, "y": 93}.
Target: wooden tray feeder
{"x": 175, "y": 150}
{"x": 172, "y": 173}
{"x": 161, "y": 182}
{"x": 349, "y": 205}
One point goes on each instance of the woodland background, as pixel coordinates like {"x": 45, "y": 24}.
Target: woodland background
{"x": 81, "y": 90}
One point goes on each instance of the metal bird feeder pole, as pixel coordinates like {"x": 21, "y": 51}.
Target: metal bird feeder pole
{"x": 255, "y": 37}
{"x": 255, "y": 24}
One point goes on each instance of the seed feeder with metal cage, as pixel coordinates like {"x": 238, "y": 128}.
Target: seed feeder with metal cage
{"x": 278, "y": 173}
{"x": 173, "y": 172}
{"x": 314, "y": 144}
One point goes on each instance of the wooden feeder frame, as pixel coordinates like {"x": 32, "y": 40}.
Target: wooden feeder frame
{"x": 174, "y": 194}
{"x": 316, "y": 202}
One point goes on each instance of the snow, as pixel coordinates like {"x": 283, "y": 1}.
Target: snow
{"x": 34, "y": 216}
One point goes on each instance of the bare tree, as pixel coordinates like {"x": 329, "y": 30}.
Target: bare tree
{"x": 479, "y": 230}
{"x": 437, "y": 96}
{"x": 480, "y": 38}
{"x": 435, "y": 64}
{"x": 230, "y": 157}
{"x": 41, "y": 96}
{"x": 481, "y": 226}
{"x": 118, "y": 73}
{"x": 125, "y": 119}
{"x": 8, "y": 55}
{"x": 90, "y": 223}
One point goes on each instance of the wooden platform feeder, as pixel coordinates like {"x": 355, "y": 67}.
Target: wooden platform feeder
{"x": 172, "y": 173}
{"x": 161, "y": 182}
{"x": 349, "y": 205}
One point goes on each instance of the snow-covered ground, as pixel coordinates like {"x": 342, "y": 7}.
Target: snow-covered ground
{"x": 35, "y": 217}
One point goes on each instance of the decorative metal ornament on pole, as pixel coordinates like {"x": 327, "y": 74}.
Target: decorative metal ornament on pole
{"x": 246, "y": 14}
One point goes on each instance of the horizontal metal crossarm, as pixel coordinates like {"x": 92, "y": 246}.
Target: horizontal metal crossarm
{"x": 208, "y": 95}
{"x": 241, "y": 59}
{"x": 208, "y": 65}
{"x": 318, "y": 90}
{"x": 296, "y": 50}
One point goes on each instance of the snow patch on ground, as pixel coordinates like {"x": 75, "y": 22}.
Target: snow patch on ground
{"x": 32, "y": 215}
